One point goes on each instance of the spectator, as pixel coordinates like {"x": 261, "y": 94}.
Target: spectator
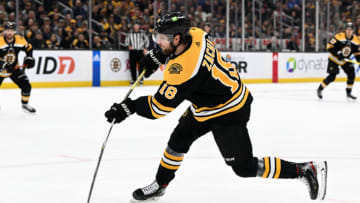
{"x": 78, "y": 11}
{"x": 67, "y": 39}
{"x": 293, "y": 44}
{"x": 46, "y": 32}
{"x": 38, "y": 41}
{"x": 53, "y": 42}
{"x": 97, "y": 43}
{"x": 80, "y": 42}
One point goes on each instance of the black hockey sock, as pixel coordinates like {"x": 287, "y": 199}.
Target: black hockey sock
{"x": 348, "y": 90}
{"x": 272, "y": 167}
{"x": 169, "y": 164}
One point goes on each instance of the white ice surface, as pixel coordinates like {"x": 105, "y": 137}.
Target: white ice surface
{"x": 50, "y": 157}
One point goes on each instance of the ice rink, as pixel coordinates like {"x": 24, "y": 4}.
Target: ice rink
{"x": 50, "y": 157}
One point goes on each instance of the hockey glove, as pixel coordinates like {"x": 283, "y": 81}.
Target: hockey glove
{"x": 152, "y": 61}
{"x": 29, "y": 61}
{"x": 5, "y": 66}
{"x": 120, "y": 111}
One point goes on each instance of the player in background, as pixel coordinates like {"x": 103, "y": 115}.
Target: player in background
{"x": 10, "y": 46}
{"x": 340, "y": 48}
{"x": 195, "y": 71}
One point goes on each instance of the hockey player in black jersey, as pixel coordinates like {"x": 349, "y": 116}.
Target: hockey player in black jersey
{"x": 10, "y": 46}
{"x": 341, "y": 47}
{"x": 221, "y": 102}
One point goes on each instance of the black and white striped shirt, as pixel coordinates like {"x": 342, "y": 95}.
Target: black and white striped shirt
{"x": 138, "y": 40}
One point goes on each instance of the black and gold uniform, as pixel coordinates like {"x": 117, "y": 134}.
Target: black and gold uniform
{"x": 200, "y": 76}
{"x": 9, "y": 66}
{"x": 220, "y": 103}
{"x": 341, "y": 48}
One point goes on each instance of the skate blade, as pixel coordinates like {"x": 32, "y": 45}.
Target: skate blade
{"x": 153, "y": 199}
{"x": 350, "y": 99}
{"x": 322, "y": 172}
{"x": 29, "y": 112}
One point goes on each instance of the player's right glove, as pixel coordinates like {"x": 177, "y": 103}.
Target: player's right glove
{"x": 29, "y": 61}
{"x": 120, "y": 111}
{"x": 152, "y": 61}
{"x": 5, "y": 66}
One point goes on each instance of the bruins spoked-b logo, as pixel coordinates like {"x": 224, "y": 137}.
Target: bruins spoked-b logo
{"x": 175, "y": 68}
{"x": 346, "y": 51}
{"x": 9, "y": 58}
{"x": 115, "y": 64}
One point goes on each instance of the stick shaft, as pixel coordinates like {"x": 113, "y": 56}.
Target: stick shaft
{"x": 108, "y": 135}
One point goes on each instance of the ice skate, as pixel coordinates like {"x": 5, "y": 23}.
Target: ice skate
{"x": 350, "y": 96}
{"x": 314, "y": 175}
{"x": 149, "y": 193}
{"x": 319, "y": 93}
{"x": 28, "y": 109}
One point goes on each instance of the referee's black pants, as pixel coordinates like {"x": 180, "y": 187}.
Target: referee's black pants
{"x": 135, "y": 56}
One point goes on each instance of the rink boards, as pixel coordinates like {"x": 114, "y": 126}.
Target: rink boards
{"x": 111, "y": 68}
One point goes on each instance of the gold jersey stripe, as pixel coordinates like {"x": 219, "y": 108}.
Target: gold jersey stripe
{"x": 176, "y": 158}
{"x": 156, "y": 115}
{"x": 336, "y": 60}
{"x": 329, "y": 46}
{"x": 5, "y": 74}
{"x": 160, "y": 106}
{"x": 163, "y": 164}
{"x": 267, "y": 167}
{"x": 29, "y": 48}
{"x": 278, "y": 168}
{"x": 220, "y": 105}
{"x": 232, "y": 109}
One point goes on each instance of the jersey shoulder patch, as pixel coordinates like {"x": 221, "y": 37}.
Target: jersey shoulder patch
{"x": 185, "y": 66}
{"x": 20, "y": 40}
{"x": 340, "y": 36}
{"x": 2, "y": 42}
{"x": 356, "y": 40}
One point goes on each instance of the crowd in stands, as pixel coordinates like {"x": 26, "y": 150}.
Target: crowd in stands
{"x": 64, "y": 24}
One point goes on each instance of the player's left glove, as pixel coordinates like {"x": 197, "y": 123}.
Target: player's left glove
{"x": 120, "y": 111}
{"x": 152, "y": 61}
{"x": 29, "y": 61}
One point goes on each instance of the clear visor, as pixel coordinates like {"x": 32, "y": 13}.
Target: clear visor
{"x": 157, "y": 37}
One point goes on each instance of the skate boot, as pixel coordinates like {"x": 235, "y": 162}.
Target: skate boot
{"x": 28, "y": 109}
{"x": 350, "y": 96}
{"x": 149, "y": 193}
{"x": 319, "y": 93}
{"x": 314, "y": 175}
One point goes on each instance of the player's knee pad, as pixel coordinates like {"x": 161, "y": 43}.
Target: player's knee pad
{"x": 246, "y": 168}
{"x": 25, "y": 88}
{"x": 330, "y": 78}
{"x": 351, "y": 77}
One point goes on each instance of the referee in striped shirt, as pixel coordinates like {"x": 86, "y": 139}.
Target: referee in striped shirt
{"x": 138, "y": 42}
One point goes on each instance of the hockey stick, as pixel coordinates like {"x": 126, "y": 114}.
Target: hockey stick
{"x": 352, "y": 61}
{"x": 20, "y": 66}
{"x": 107, "y": 137}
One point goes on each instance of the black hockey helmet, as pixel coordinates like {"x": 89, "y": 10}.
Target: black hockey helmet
{"x": 10, "y": 25}
{"x": 349, "y": 25}
{"x": 172, "y": 23}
